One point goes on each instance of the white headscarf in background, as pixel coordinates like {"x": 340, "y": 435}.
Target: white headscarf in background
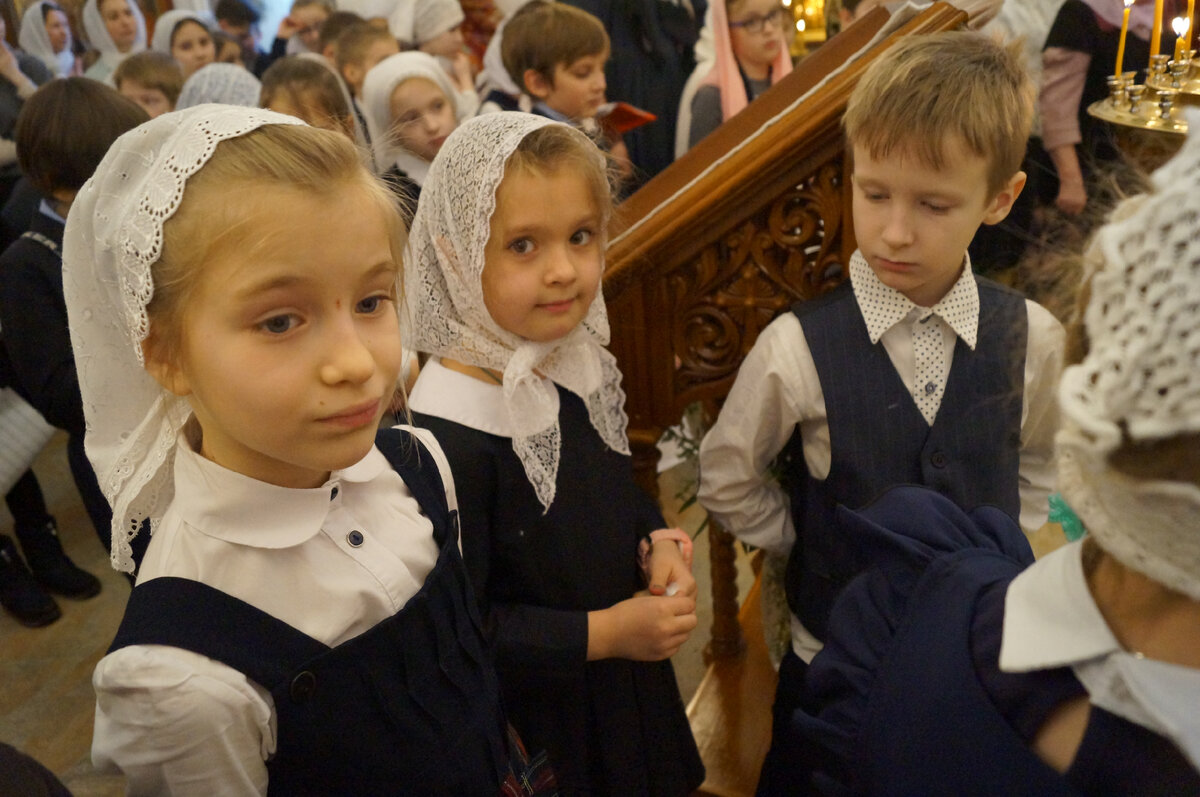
{"x": 97, "y": 33}
{"x": 164, "y": 28}
{"x": 36, "y": 41}
{"x": 114, "y": 236}
{"x": 378, "y": 86}
{"x": 447, "y": 317}
{"x": 229, "y": 84}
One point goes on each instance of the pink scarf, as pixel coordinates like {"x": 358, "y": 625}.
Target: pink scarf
{"x": 726, "y": 75}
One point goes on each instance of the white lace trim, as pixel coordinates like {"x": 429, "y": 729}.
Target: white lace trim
{"x": 114, "y": 235}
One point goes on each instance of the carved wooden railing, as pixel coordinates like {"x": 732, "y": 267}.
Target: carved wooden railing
{"x": 754, "y": 218}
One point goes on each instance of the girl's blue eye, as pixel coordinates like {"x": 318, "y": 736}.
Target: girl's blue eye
{"x": 277, "y": 325}
{"x": 582, "y": 237}
{"x": 371, "y": 304}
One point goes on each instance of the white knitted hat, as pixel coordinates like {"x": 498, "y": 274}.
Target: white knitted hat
{"x": 1141, "y": 376}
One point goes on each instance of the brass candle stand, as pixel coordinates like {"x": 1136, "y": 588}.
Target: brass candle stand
{"x": 1155, "y": 104}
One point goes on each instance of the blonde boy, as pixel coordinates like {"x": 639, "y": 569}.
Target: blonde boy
{"x": 913, "y": 370}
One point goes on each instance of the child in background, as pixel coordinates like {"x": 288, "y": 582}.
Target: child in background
{"x": 411, "y": 108}
{"x": 952, "y": 384}
{"x": 1081, "y": 674}
{"x": 309, "y": 90}
{"x": 750, "y": 55}
{"x": 504, "y": 290}
{"x": 556, "y": 54}
{"x": 302, "y": 621}
{"x": 437, "y": 30}
{"x": 299, "y": 32}
{"x": 227, "y": 49}
{"x": 62, "y": 134}
{"x": 152, "y": 80}
{"x": 359, "y": 48}
{"x": 331, "y": 29}
{"x": 230, "y": 84}
{"x": 46, "y": 34}
{"x": 117, "y": 29}
{"x": 185, "y": 36}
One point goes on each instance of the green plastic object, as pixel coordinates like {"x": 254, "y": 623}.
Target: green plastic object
{"x": 1062, "y": 514}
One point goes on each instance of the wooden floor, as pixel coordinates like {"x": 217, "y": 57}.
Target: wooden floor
{"x": 47, "y": 704}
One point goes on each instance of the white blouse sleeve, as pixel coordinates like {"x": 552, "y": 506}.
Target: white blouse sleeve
{"x": 178, "y": 723}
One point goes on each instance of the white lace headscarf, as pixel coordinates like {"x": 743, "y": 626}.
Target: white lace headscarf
{"x": 1141, "y": 376}
{"x": 444, "y": 290}
{"x": 230, "y": 84}
{"x": 97, "y": 33}
{"x": 114, "y": 236}
{"x": 164, "y": 27}
{"x": 378, "y": 86}
{"x": 36, "y": 41}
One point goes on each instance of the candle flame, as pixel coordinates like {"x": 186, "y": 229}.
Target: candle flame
{"x": 1129, "y": 3}
{"x": 1180, "y": 25}
{"x": 800, "y": 26}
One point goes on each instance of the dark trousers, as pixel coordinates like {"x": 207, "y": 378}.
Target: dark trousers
{"x": 786, "y": 768}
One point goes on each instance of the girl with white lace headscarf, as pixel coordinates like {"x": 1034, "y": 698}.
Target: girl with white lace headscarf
{"x": 186, "y": 36}
{"x": 302, "y": 614}
{"x": 117, "y": 29}
{"x": 503, "y": 287}
{"x": 46, "y": 33}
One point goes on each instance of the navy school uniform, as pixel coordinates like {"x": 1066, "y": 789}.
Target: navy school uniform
{"x": 907, "y": 696}
{"x": 610, "y": 727}
{"x": 411, "y": 706}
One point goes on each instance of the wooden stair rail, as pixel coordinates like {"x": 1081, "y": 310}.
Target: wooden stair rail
{"x": 697, "y": 267}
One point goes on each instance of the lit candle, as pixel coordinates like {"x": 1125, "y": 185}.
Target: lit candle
{"x": 1191, "y": 18}
{"x": 1180, "y": 26}
{"x": 1156, "y": 32}
{"x": 1124, "y": 31}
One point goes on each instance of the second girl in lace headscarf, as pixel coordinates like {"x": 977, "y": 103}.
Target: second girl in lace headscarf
{"x": 507, "y": 251}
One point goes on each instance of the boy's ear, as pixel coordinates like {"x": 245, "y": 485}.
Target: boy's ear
{"x": 169, "y": 375}
{"x": 353, "y": 74}
{"x": 537, "y": 85}
{"x": 1002, "y": 203}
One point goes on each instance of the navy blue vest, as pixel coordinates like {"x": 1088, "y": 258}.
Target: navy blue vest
{"x": 411, "y": 706}
{"x": 878, "y": 437}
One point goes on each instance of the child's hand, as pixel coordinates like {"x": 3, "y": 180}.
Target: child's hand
{"x": 643, "y": 628}
{"x": 668, "y": 567}
{"x": 463, "y": 77}
{"x": 288, "y": 27}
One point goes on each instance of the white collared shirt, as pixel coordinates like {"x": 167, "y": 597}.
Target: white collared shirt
{"x": 455, "y": 396}
{"x": 177, "y": 722}
{"x": 777, "y": 388}
{"x": 1051, "y": 620}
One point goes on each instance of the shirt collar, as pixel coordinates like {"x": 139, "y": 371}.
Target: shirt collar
{"x": 1050, "y": 619}
{"x": 463, "y": 399}
{"x": 883, "y": 306}
{"x": 47, "y": 209}
{"x": 229, "y": 506}
{"x": 547, "y": 111}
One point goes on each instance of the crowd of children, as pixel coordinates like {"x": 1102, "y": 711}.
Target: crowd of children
{"x": 213, "y": 285}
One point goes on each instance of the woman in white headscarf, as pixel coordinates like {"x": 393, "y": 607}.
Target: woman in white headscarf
{"x": 46, "y": 34}
{"x": 117, "y": 29}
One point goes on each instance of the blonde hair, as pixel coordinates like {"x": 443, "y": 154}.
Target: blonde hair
{"x": 554, "y": 147}
{"x": 318, "y": 162}
{"x": 928, "y": 90}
